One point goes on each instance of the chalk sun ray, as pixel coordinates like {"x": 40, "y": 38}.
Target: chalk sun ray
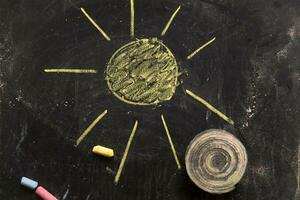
{"x": 200, "y": 48}
{"x": 210, "y": 107}
{"x": 170, "y": 141}
{"x": 122, "y": 163}
{"x": 90, "y": 127}
{"x": 95, "y": 24}
{"x": 76, "y": 71}
{"x": 170, "y": 21}
{"x": 132, "y": 18}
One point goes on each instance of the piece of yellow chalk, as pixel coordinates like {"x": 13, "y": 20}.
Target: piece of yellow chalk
{"x": 100, "y": 150}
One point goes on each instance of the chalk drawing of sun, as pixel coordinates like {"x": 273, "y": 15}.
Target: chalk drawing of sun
{"x": 143, "y": 72}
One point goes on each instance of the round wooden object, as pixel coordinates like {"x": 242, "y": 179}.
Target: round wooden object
{"x": 216, "y": 161}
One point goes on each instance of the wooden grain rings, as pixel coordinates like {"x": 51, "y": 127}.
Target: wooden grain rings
{"x": 216, "y": 161}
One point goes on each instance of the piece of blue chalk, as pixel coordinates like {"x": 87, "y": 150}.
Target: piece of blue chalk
{"x": 31, "y": 184}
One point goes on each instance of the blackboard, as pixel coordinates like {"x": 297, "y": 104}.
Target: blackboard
{"x": 251, "y": 72}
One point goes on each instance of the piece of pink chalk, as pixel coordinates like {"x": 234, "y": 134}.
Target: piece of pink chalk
{"x": 44, "y": 194}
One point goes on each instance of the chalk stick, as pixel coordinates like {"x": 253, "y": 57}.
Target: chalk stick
{"x": 103, "y": 151}
{"x": 29, "y": 183}
{"x": 44, "y": 194}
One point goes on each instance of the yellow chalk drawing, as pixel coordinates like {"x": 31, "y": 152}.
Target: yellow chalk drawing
{"x": 170, "y": 21}
{"x": 121, "y": 166}
{"x": 142, "y": 72}
{"x": 76, "y": 71}
{"x": 132, "y": 18}
{"x": 200, "y": 48}
{"x": 95, "y": 24}
{"x": 171, "y": 142}
{"x": 210, "y": 107}
{"x": 90, "y": 127}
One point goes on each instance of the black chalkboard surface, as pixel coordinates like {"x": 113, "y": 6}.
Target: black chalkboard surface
{"x": 251, "y": 72}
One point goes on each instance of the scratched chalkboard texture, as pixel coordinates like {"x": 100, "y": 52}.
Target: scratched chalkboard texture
{"x": 251, "y": 72}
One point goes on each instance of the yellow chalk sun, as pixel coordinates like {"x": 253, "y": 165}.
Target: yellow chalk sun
{"x": 141, "y": 72}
